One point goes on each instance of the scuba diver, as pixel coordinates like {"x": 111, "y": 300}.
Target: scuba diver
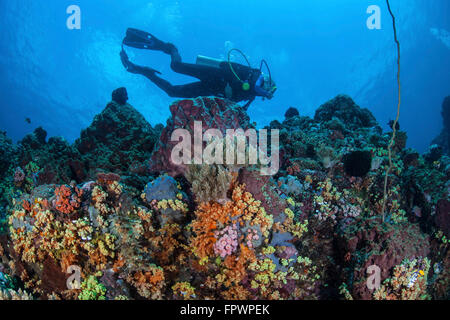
{"x": 219, "y": 78}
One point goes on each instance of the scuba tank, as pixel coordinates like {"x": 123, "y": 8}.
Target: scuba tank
{"x": 208, "y": 62}
{"x": 215, "y": 63}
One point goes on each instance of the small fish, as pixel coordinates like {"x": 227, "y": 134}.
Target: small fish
{"x": 437, "y": 268}
{"x": 415, "y": 275}
{"x": 28, "y": 120}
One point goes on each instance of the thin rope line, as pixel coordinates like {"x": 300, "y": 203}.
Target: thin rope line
{"x": 394, "y": 126}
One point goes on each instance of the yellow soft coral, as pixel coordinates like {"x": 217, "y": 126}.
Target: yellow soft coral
{"x": 184, "y": 290}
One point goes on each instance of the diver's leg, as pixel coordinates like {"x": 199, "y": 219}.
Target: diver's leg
{"x": 189, "y": 69}
{"x": 144, "y": 40}
{"x": 190, "y": 90}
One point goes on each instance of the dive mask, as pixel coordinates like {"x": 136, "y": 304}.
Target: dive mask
{"x": 265, "y": 86}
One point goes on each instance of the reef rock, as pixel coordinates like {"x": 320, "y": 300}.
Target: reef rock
{"x": 290, "y": 185}
{"x": 291, "y": 112}
{"x": 369, "y": 243}
{"x": 357, "y": 163}
{"x": 443, "y": 216}
{"x": 443, "y": 139}
{"x": 262, "y": 189}
{"x": 7, "y": 153}
{"x": 52, "y": 161}
{"x": 339, "y": 126}
{"x": 434, "y": 153}
{"x": 214, "y": 113}
{"x": 118, "y": 140}
{"x": 164, "y": 196}
{"x": 164, "y": 187}
{"x": 345, "y": 109}
{"x": 120, "y": 96}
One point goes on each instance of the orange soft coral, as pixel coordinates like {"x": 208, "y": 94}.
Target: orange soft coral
{"x": 166, "y": 242}
{"x": 243, "y": 209}
{"x": 26, "y": 205}
{"x": 67, "y": 200}
{"x": 209, "y": 215}
{"x": 235, "y": 267}
{"x": 149, "y": 283}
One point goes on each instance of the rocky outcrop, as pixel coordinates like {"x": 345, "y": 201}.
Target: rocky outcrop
{"x": 370, "y": 243}
{"x": 119, "y": 140}
{"x": 443, "y": 140}
{"x": 339, "y": 126}
{"x": 214, "y": 113}
{"x": 7, "y": 153}
{"x": 263, "y": 190}
{"x": 442, "y": 217}
{"x": 291, "y": 112}
{"x": 52, "y": 161}
{"x": 346, "y": 110}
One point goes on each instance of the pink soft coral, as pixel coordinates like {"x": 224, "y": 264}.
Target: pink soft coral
{"x": 227, "y": 243}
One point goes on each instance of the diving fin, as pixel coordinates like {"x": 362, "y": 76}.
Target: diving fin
{"x": 142, "y": 40}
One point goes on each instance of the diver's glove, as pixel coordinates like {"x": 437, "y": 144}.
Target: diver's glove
{"x": 133, "y": 68}
{"x": 130, "y": 66}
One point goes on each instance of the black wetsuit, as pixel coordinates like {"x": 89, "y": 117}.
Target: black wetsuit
{"x": 213, "y": 81}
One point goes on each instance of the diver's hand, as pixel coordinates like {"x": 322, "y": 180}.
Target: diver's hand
{"x": 269, "y": 95}
{"x": 131, "y": 67}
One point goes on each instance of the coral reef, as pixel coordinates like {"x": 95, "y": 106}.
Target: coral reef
{"x": 219, "y": 231}
{"x": 166, "y": 198}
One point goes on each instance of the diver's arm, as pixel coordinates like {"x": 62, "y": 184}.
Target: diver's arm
{"x": 131, "y": 67}
{"x": 248, "y": 103}
{"x": 134, "y": 68}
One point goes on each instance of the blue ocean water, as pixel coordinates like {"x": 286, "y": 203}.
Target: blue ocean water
{"x": 316, "y": 49}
